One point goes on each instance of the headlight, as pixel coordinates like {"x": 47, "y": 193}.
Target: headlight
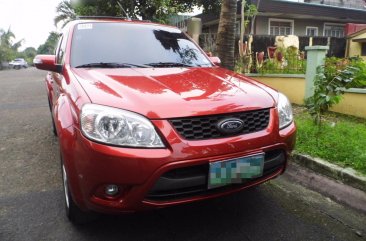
{"x": 118, "y": 127}
{"x": 284, "y": 111}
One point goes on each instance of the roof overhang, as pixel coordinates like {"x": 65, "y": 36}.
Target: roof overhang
{"x": 286, "y": 15}
{"x": 309, "y": 11}
{"x": 359, "y": 40}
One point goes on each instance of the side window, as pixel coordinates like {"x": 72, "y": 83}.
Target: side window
{"x": 61, "y": 49}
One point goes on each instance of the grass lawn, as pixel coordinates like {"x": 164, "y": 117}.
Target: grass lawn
{"x": 342, "y": 139}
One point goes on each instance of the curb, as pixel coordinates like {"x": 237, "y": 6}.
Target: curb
{"x": 347, "y": 176}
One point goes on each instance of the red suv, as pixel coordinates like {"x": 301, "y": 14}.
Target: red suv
{"x": 145, "y": 119}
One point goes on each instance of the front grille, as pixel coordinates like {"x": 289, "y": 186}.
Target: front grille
{"x": 190, "y": 181}
{"x": 205, "y": 127}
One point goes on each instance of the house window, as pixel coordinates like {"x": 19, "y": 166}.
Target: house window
{"x": 281, "y": 27}
{"x": 334, "y": 30}
{"x": 311, "y": 31}
{"x": 363, "y": 49}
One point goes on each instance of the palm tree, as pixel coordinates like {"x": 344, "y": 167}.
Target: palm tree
{"x": 66, "y": 13}
{"x": 226, "y": 33}
{"x": 8, "y": 49}
{"x": 6, "y": 37}
{"x": 6, "y": 40}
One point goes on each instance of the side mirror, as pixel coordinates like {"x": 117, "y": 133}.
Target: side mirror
{"x": 47, "y": 62}
{"x": 215, "y": 60}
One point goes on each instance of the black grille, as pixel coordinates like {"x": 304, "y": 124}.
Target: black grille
{"x": 190, "y": 181}
{"x": 205, "y": 127}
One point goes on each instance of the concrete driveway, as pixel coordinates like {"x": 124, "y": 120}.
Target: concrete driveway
{"x": 32, "y": 208}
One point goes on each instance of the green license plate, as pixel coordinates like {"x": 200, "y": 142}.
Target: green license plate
{"x": 235, "y": 170}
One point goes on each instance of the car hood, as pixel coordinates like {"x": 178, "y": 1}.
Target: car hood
{"x": 173, "y": 92}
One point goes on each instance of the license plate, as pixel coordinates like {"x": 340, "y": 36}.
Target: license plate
{"x": 235, "y": 170}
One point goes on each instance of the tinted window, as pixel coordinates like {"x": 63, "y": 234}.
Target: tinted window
{"x": 132, "y": 43}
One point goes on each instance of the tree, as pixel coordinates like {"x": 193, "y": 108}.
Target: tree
{"x": 160, "y": 10}
{"x": 226, "y": 33}
{"x": 28, "y": 54}
{"x": 8, "y": 49}
{"x": 153, "y": 10}
{"x": 210, "y": 6}
{"x": 100, "y": 7}
{"x": 6, "y": 37}
{"x": 49, "y": 46}
{"x": 65, "y": 13}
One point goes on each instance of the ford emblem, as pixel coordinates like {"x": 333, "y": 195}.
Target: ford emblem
{"x": 230, "y": 126}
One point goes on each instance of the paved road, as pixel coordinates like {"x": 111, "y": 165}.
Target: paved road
{"x": 31, "y": 203}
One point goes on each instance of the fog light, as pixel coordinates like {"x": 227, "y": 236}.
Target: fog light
{"x": 111, "y": 190}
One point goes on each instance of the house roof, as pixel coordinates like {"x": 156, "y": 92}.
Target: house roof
{"x": 362, "y": 31}
{"x": 289, "y": 9}
{"x": 352, "y": 28}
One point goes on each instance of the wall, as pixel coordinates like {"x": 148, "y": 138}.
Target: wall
{"x": 353, "y": 103}
{"x": 293, "y": 86}
{"x": 354, "y": 48}
{"x": 299, "y": 25}
{"x": 261, "y": 25}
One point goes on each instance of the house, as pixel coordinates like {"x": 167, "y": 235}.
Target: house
{"x": 180, "y": 21}
{"x": 356, "y": 44}
{"x": 298, "y": 17}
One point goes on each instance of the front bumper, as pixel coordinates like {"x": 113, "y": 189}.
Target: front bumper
{"x": 138, "y": 172}
{"x": 17, "y": 65}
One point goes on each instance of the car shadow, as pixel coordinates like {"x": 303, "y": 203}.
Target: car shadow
{"x": 253, "y": 214}
{"x": 217, "y": 219}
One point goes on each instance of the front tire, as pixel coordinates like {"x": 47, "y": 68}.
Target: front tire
{"x": 73, "y": 212}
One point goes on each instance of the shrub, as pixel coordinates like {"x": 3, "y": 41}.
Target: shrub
{"x": 330, "y": 83}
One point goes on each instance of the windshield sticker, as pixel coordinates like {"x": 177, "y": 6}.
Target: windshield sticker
{"x": 85, "y": 26}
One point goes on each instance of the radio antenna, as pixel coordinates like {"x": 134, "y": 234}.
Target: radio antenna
{"x": 123, "y": 10}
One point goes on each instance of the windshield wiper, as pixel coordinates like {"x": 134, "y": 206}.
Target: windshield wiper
{"x": 170, "y": 64}
{"x": 111, "y": 65}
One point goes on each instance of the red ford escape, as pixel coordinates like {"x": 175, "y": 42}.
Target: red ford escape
{"x": 145, "y": 119}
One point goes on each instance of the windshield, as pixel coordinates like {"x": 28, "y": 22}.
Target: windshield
{"x": 134, "y": 44}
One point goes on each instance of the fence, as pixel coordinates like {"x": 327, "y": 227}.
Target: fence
{"x": 273, "y": 63}
{"x": 337, "y": 46}
{"x": 208, "y": 42}
{"x": 300, "y": 86}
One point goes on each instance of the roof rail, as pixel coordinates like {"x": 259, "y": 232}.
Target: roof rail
{"x": 110, "y": 17}
{"x": 99, "y": 17}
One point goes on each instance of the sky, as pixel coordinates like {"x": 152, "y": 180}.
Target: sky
{"x": 31, "y": 20}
